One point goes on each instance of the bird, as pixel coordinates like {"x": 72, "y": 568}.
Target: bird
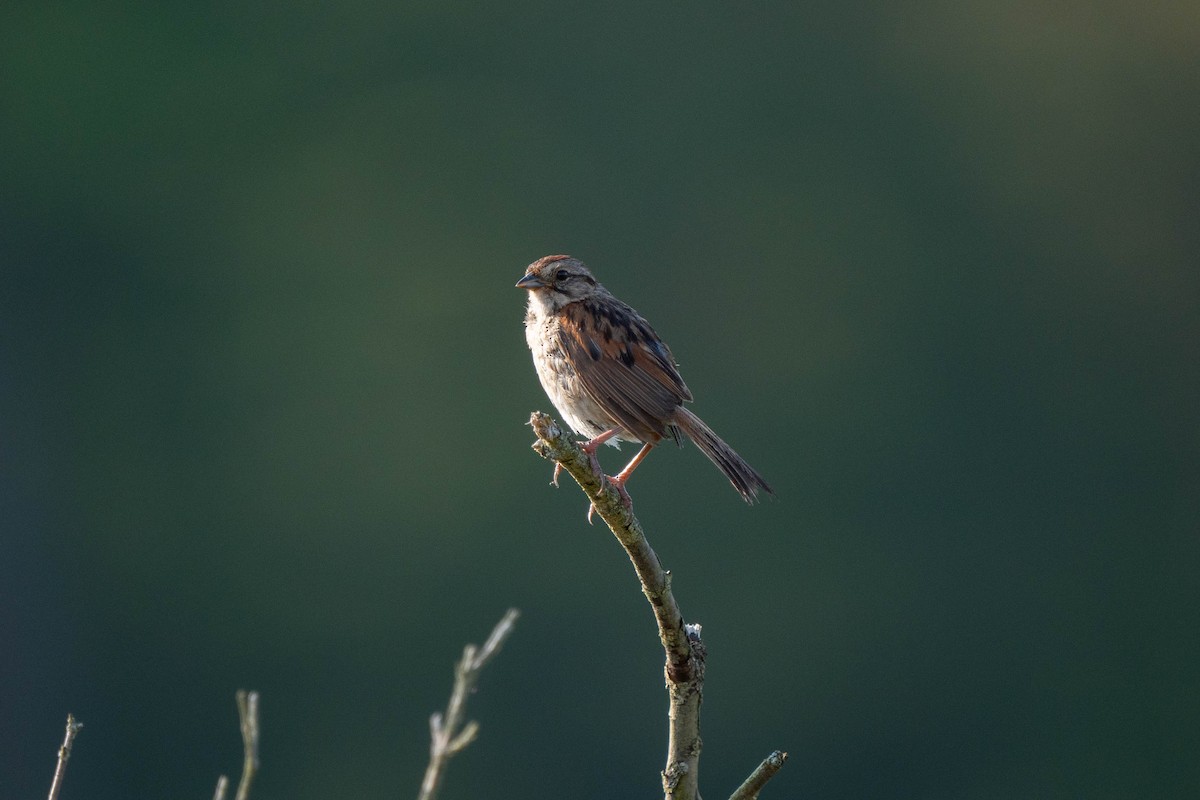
{"x": 611, "y": 377}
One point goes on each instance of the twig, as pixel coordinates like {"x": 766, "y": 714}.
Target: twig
{"x": 449, "y": 736}
{"x": 681, "y": 643}
{"x": 247, "y": 703}
{"x": 222, "y": 787}
{"x": 64, "y": 754}
{"x": 762, "y": 773}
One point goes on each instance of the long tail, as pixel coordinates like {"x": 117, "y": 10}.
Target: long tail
{"x": 743, "y": 476}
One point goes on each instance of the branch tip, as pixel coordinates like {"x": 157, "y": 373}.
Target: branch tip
{"x": 468, "y": 734}
{"x": 500, "y": 633}
{"x": 64, "y": 754}
{"x": 247, "y": 703}
{"x": 758, "y": 779}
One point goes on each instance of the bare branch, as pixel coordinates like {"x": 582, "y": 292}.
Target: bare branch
{"x": 681, "y": 643}
{"x": 494, "y": 642}
{"x": 762, "y": 773}
{"x": 247, "y": 703}
{"x": 464, "y": 738}
{"x": 448, "y": 734}
{"x": 554, "y": 444}
{"x": 222, "y": 788}
{"x": 64, "y": 754}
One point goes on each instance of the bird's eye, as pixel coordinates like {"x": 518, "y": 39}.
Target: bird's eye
{"x": 562, "y": 275}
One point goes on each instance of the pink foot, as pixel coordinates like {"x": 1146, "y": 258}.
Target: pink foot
{"x": 617, "y": 483}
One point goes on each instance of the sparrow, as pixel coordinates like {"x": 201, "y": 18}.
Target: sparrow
{"x": 610, "y": 375}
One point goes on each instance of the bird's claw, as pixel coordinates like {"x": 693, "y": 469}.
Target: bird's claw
{"x": 595, "y": 462}
{"x": 626, "y": 500}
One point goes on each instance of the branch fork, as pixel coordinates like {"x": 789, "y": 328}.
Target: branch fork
{"x": 449, "y": 733}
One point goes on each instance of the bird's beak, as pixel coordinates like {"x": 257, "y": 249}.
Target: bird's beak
{"x": 530, "y": 281}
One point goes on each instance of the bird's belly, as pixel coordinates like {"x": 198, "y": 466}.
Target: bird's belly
{"x": 565, "y": 390}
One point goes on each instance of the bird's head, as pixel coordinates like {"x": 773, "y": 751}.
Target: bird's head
{"x": 555, "y": 281}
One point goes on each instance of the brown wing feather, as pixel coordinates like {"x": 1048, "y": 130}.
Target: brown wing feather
{"x": 624, "y": 366}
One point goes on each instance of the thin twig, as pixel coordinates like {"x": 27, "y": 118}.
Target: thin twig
{"x": 222, "y": 787}
{"x": 681, "y": 643}
{"x": 448, "y": 734}
{"x": 762, "y": 773}
{"x": 247, "y": 703}
{"x": 64, "y": 754}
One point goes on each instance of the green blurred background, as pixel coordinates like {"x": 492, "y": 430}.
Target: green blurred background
{"x": 931, "y": 267}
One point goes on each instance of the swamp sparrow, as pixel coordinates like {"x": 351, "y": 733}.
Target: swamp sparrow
{"x": 608, "y": 373}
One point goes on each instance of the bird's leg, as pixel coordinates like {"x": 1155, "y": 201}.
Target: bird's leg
{"x": 618, "y": 480}
{"x": 592, "y": 445}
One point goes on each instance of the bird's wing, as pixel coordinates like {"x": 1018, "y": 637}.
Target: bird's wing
{"x": 624, "y": 367}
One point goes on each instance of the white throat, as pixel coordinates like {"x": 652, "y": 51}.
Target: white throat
{"x": 542, "y": 303}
